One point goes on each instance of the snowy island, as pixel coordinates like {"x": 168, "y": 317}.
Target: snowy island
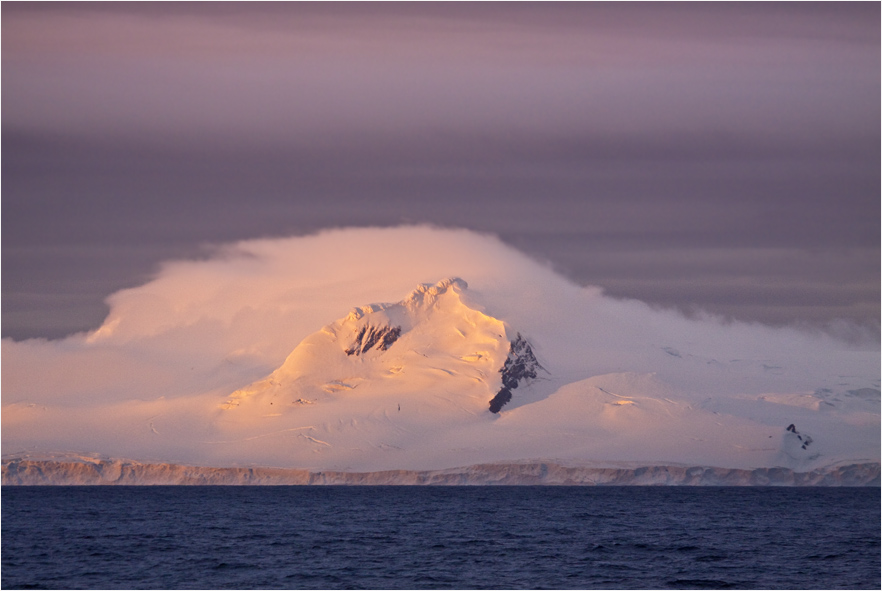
{"x": 535, "y": 382}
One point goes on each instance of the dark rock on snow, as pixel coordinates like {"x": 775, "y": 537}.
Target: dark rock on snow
{"x": 806, "y": 439}
{"x": 520, "y": 365}
{"x": 369, "y": 336}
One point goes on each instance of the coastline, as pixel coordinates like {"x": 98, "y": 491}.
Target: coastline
{"x": 26, "y": 472}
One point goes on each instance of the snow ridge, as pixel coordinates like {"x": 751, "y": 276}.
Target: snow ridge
{"x": 426, "y": 294}
{"x": 422, "y": 297}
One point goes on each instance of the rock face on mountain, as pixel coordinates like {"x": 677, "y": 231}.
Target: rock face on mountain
{"x": 520, "y": 365}
{"x": 368, "y": 336}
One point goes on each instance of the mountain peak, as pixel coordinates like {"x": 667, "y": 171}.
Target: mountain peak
{"x": 423, "y": 296}
{"x": 427, "y": 294}
{"x": 430, "y": 339}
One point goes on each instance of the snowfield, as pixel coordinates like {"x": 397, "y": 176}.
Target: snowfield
{"x": 237, "y": 361}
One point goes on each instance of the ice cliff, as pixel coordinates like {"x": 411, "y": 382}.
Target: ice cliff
{"x": 121, "y": 472}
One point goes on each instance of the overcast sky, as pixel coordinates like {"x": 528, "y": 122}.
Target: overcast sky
{"x": 723, "y": 157}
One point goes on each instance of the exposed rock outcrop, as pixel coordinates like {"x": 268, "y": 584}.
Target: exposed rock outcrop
{"x": 804, "y": 440}
{"x": 520, "y": 365}
{"x": 368, "y": 336}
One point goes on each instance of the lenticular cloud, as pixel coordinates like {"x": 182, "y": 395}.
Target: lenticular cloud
{"x": 153, "y": 382}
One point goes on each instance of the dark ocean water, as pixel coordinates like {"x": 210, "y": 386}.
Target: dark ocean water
{"x": 440, "y": 537}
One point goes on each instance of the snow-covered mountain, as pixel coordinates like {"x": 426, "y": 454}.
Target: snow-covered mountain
{"x": 399, "y": 350}
{"x": 521, "y": 368}
{"x": 392, "y": 379}
{"x": 435, "y": 380}
{"x": 431, "y": 339}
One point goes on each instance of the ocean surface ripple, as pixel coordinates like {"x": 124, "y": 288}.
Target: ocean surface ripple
{"x": 291, "y": 537}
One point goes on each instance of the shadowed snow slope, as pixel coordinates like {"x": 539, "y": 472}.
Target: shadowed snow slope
{"x": 224, "y": 363}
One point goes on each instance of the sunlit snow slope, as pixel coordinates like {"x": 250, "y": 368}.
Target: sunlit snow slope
{"x": 389, "y": 383}
{"x": 202, "y": 366}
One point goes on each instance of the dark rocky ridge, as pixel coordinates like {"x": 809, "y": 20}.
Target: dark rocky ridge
{"x": 368, "y": 336}
{"x": 124, "y": 472}
{"x": 520, "y": 365}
